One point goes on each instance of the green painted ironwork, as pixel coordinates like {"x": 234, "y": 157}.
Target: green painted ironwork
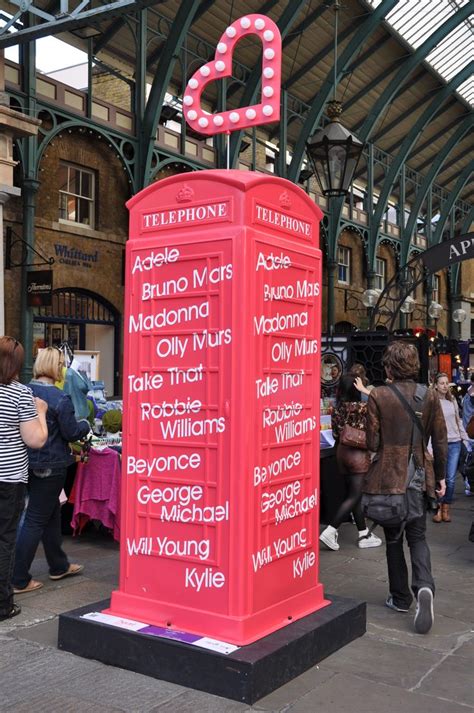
{"x": 284, "y": 24}
{"x": 437, "y": 165}
{"x": 359, "y": 38}
{"x": 147, "y": 132}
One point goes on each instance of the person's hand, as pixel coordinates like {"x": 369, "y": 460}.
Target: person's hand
{"x": 41, "y": 406}
{"x": 442, "y": 488}
{"x": 468, "y": 446}
{"x": 359, "y": 384}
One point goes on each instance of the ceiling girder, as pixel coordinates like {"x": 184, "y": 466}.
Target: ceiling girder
{"x": 429, "y": 180}
{"x": 55, "y": 24}
{"x": 387, "y": 128}
{"x": 409, "y": 142}
{"x": 313, "y": 118}
{"x": 181, "y": 24}
{"x": 439, "y": 134}
{"x": 249, "y": 95}
{"x": 323, "y": 52}
{"x": 409, "y": 65}
{"x": 453, "y": 196}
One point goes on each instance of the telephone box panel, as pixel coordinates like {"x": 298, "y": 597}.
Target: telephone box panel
{"x": 220, "y": 488}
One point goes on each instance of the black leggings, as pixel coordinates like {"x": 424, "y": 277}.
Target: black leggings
{"x": 351, "y": 503}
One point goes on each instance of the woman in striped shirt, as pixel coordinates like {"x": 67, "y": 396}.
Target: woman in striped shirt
{"x": 22, "y": 424}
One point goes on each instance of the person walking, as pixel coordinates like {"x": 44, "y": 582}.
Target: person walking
{"x": 352, "y": 464}
{"x": 456, "y": 437}
{"x": 389, "y": 435}
{"x": 47, "y": 473}
{"x": 22, "y": 424}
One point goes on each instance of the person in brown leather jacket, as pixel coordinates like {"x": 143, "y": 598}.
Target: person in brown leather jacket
{"x": 389, "y": 436}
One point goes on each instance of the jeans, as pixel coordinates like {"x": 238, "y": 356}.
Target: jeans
{"x": 415, "y": 533}
{"x": 12, "y": 496}
{"x": 454, "y": 453}
{"x": 42, "y": 522}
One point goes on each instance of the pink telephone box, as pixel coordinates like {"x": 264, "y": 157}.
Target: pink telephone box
{"x": 220, "y": 496}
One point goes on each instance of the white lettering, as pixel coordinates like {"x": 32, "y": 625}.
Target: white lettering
{"x": 167, "y": 409}
{"x": 145, "y": 382}
{"x": 262, "y": 474}
{"x": 280, "y": 322}
{"x": 162, "y": 464}
{"x": 167, "y": 317}
{"x": 273, "y": 262}
{"x": 303, "y": 563}
{"x": 155, "y": 260}
{"x": 207, "y": 579}
{"x": 184, "y": 494}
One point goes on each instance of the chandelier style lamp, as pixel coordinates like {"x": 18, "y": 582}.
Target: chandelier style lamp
{"x": 333, "y": 151}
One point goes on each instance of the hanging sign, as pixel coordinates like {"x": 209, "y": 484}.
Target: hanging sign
{"x": 39, "y": 288}
{"x": 221, "y": 66}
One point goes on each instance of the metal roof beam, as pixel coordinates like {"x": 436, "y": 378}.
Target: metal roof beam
{"x": 249, "y": 95}
{"x": 436, "y": 168}
{"x": 321, "y": 55}
{"x": 439, "y": 134}
{"x": 409, "y": 142}
{"x": 453, "y": 196}
{"x": 181, "y": 24}
{"x": 313, "y": 118}
{"x": 54, "y": 26}
{"x": 392, "y": 125}
{"x": 303, "y": 25}
{"x": 410, "y": 64}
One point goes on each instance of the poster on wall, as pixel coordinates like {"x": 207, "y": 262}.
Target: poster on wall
{"x": 88, "y": 364}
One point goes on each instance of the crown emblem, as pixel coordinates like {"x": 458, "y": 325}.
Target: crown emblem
{"x": 185, "y": 194}
{"x": 285, "y": 200}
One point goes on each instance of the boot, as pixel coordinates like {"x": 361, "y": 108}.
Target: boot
{"x": 445, "y": 512}
{"x": 438, "y": 517}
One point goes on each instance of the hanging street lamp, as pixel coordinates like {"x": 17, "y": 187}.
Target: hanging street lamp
{"x": 334, "y": 152}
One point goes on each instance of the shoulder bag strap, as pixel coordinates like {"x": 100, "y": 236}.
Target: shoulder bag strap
{"x": 410, "y": 410}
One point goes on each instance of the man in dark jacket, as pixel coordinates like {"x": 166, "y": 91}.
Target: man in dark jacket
{"x": 389, "y": 436}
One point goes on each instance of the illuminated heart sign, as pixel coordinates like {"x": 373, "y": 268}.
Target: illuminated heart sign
{"x": 221, "y": 66}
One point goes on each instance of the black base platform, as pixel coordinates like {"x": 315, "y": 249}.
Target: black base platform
{"x": 245, "y": 675}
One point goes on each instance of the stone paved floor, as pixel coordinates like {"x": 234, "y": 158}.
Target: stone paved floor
{"x": 389, "y": 670}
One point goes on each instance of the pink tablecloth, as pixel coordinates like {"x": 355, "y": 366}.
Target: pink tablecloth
{"x": 96, "y": 492}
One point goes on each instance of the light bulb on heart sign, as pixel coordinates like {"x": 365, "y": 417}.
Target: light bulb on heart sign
{"x": 221, "y": 66}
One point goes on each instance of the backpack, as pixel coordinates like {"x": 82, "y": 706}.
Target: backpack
{"x": 398, "y": 509}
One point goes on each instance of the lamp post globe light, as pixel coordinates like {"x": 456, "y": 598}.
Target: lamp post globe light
{"x": 408, "y": 305}
{"x": 459, "y": 316}
{"x": 435, "y": 310}
{"x": 370, "y": 297}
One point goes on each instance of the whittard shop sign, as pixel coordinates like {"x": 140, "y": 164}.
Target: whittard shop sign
{"x": 449, "y": 252}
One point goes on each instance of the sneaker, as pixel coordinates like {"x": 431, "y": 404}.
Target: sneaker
{"x": 391, "y": 605}
{"x": 369, "y": 541}
{"x": 424, "y": 615}
{"x": 329, "y": 537}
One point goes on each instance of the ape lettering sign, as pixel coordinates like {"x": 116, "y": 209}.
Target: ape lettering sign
{"x": 220, "y": 492}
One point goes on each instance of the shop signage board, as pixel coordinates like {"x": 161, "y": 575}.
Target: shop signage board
{"x": 39, "y": 288}
{"x": 220, "y": 491}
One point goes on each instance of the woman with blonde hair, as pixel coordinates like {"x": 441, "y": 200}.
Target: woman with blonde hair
{"x": 22, "y": 424}
{"x": 456, "y": 437}
{"x": 47, "y": 473}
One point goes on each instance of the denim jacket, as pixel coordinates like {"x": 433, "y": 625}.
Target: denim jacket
{"x": 62, "y": 428}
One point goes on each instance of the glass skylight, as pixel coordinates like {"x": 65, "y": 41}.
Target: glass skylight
{"x": 416, "y": 20}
